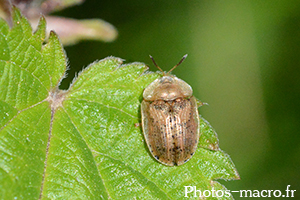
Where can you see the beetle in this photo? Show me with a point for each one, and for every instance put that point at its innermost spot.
(170, 119)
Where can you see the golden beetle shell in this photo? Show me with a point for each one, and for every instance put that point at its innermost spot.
(170, 120)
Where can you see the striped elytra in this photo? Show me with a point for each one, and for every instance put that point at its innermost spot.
(170, 119)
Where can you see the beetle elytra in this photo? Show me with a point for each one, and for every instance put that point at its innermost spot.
(170, 119)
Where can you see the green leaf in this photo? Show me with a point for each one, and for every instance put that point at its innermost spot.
(83, 143)
(4, 51)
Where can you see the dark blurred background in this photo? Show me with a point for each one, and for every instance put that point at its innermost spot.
(244, 61)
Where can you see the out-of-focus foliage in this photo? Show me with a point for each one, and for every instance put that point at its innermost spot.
(69, 30)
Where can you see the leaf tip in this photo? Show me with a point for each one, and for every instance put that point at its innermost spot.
(53, 37)
(236, 175)
(42, 21)
(41, 28)
(53, 34)
(16, 13)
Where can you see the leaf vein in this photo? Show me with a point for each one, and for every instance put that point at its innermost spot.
(134, 170)
(88, 148)
(109, 107)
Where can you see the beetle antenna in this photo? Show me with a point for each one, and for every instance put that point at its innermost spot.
(156, 64)
(182, 59)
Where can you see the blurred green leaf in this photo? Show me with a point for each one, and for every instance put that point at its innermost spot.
(83, 143)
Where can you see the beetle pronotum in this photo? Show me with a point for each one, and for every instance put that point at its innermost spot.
(170, 119)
